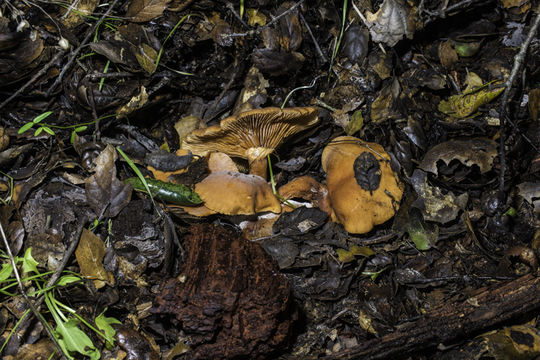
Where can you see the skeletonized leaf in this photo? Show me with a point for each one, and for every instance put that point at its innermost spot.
(461, 106)
(391, 22)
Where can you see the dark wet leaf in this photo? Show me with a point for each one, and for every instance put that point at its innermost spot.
(409, 276)
(294, 164)
(277, 63)
(282, 249)
(135, 344)
(534, 104)
(385, 106)
(146, 10)
(355, 43)
(117, 51)
(367, 171)
(221, 32)
(133, 228)
(299, 221)
(289, 27)
(103, 189)
(166, 161)
(478, 151)
(531, 193)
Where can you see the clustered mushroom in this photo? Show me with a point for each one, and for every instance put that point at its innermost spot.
(251, 135)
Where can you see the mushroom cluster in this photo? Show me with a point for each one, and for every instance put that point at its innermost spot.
(363, 189)
(251, 135)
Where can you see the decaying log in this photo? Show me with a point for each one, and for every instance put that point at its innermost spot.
(453, 321)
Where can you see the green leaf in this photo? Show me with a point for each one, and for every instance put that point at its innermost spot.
(29, 264)
(38, 131)
(68, 279)
(25, 127)
(422, 234)
(173, 193)
(104, 324)
(48, 130)
(5, 273)
(41, 117)
(72, 339)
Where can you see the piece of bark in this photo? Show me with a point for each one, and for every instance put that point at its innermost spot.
(234, 302)
(453, 321)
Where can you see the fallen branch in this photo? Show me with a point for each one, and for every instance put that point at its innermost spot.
(453, 321)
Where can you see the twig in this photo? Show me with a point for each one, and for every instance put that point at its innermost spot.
(230, 6)
(74, 54)
(33, 79)
(23, 293)
(518, 61)
(95, 76)
(260, 29)
(317, 47)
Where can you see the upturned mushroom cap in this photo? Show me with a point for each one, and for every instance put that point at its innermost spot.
(253, 134)
(306, 187)
(233, 193)
(359, 210)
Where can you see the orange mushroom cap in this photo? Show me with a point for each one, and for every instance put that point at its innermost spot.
(358, 209)
(253, 134)
(233, 193)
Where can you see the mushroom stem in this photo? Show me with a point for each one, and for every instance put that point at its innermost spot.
(258, 167)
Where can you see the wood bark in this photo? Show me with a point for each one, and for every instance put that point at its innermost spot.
(453, 321)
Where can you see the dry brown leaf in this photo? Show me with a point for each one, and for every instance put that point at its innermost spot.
(89, 254)
(384, 106)
(79, 9)
(447, 55)
(146, 10)
(147, 57)
(479, 151)
(103, 189)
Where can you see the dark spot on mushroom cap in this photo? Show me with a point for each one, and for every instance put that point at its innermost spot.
(367, 171)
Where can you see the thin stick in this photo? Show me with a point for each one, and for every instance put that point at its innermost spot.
(518, 61)
(317, 47)
(73, 55)
(260, 29)
(23, 293)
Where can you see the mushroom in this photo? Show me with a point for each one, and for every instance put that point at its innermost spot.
(306, 187)
(218, 161)
(233, 193)
(251, 135)
(362, 187)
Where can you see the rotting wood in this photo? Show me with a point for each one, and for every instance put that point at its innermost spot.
(453, 321)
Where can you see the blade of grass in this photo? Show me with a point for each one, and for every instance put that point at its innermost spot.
(169, 36)
(338, 43)
(139, 175)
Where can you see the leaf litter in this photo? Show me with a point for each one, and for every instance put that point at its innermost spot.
(446, 146)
